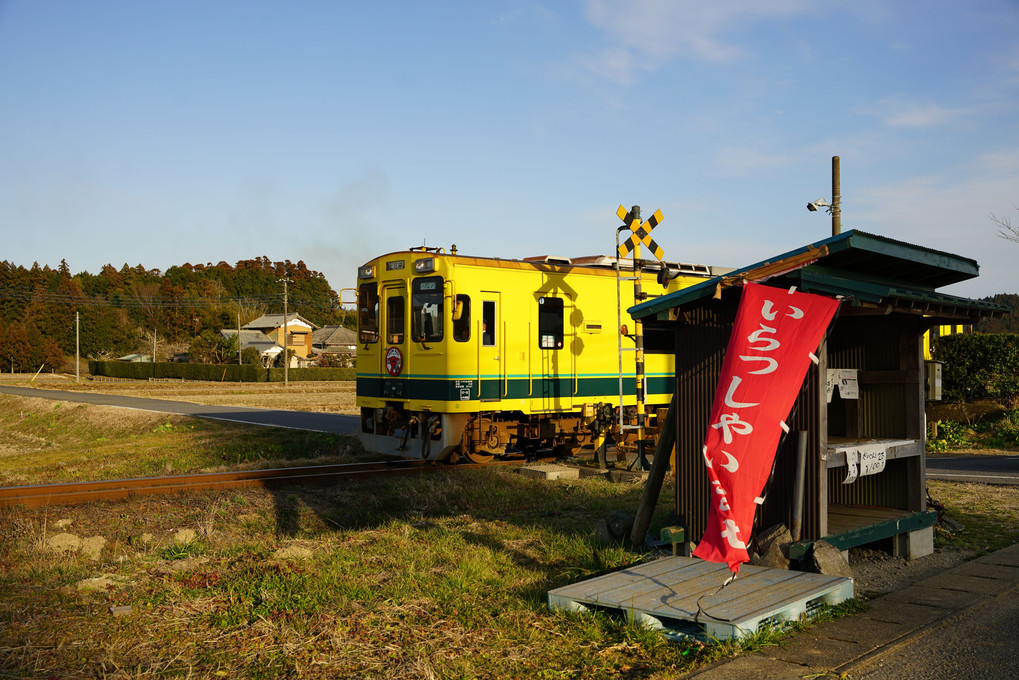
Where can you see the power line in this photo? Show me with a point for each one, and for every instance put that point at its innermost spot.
(144, 302)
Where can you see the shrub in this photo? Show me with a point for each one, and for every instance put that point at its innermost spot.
(979, 366)
(1007, 429)
(950, 434)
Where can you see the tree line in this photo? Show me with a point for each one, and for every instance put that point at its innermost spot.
(118, 310)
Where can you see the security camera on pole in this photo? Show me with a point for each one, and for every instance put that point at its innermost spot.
(835, 207)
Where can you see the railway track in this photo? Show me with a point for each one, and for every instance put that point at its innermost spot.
(106, 490)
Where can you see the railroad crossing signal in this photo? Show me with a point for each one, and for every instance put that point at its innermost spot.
(641, 233)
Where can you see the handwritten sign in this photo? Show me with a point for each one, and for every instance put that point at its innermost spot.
(863, 461)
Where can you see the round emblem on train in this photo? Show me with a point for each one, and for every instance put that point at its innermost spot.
(394, 361)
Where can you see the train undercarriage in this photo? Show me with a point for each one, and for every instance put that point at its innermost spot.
(482, 437)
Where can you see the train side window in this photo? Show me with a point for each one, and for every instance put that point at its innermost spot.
(488, 323)
(368, 313)
(550, 323)
(462, 318)
(394, 319)
(426, 304)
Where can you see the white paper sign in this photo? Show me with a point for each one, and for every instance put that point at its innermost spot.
(863, 461)
(845, 380)
(852, 466)
(872, 461)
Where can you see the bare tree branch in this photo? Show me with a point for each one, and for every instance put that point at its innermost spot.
(1006, 229)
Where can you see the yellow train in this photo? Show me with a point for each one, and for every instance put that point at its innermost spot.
(478, 357)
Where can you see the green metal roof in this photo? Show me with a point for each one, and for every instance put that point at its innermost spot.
(870, 269)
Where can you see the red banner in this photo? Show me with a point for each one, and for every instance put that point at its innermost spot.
(771, 346)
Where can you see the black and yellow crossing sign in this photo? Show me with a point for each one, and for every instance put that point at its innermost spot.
(641, 233)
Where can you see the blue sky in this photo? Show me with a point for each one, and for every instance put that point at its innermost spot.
(159, 133)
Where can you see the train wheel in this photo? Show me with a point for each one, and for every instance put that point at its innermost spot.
(486, 443)
(480, 457)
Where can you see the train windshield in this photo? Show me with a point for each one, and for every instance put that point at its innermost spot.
(426, 309)
(368, 312)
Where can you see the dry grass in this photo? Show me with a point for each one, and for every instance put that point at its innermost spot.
(326, 397)
(443, 576)
(47, 441)
(989, 514)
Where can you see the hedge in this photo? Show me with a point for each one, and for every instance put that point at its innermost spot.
(312, 374)
(213, 372)
(978, 366)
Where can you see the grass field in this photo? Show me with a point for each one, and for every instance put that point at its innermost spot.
(327, 397)
(442, 576)
(439, 576)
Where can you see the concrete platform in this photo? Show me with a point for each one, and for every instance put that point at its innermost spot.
(895, 627)
(684, 597)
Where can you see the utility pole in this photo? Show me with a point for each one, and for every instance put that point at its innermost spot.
(836, 197)
(77, 348)
(286, 361)
(239, 356)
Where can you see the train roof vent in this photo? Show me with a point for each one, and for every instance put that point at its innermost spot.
(549, 259)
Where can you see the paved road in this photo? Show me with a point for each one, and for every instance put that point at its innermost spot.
(975, 468)
(296, 420)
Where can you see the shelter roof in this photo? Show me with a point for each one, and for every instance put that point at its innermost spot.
(870, 270)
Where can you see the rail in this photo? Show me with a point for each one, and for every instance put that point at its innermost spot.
(73, 493)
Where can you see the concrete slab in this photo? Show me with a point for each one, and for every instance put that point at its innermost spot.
(751, 667)
(552, 471)
(935, 597)
(986, 570)
(897, 611)
(1007, 557)
(971, 584)
(808, 649)
(868, 633)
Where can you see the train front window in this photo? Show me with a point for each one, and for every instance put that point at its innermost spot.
(368, 312)
(462, 318)
(550, 323)
(426, 309)
(394, 319)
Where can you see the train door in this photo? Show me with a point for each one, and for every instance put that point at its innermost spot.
(553, 366)
(394, 356)
(492, 341)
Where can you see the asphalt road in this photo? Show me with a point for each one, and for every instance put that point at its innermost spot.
(295, 420)
(974, 468)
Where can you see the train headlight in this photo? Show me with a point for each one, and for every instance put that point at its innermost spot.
(424, 265)
(366, 272)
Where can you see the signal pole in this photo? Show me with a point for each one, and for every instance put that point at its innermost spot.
(638, 330)
(641, 233)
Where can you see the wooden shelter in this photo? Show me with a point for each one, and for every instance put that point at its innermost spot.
(861, 408)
